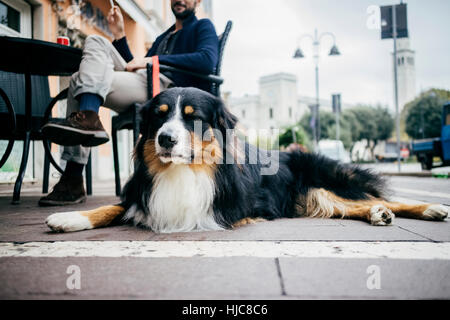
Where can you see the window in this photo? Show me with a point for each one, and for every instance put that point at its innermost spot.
(15, 18)
(243, 113)
(290, 112)
(271, 113)
(9, 17)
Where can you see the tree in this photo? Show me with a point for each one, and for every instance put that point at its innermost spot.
(287, 136)
(376, 124)
(349, 127)
(327, 119)
(423, 115)
(361, 122)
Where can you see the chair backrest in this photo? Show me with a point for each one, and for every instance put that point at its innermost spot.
(222, 42)
(14, 86)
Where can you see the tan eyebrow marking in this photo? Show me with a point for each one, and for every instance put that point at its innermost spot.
(188, 110)
(163, 108)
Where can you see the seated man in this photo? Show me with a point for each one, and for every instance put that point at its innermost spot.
(109, 76)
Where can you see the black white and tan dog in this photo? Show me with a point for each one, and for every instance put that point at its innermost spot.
(185, 180)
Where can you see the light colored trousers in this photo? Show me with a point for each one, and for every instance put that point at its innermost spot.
(102, 71)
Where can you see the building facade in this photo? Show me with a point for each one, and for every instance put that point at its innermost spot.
(277, 105)
(47, 19)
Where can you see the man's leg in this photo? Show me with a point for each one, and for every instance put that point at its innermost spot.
(70, 188)
(88, 88)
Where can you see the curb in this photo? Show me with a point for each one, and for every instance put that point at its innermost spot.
(408, 174)
(425, 174)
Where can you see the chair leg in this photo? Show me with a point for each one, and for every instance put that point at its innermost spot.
(46, 176)
(89, 176)
(22, 169)
(116, 162)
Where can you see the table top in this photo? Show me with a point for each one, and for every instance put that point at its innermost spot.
(22, 55)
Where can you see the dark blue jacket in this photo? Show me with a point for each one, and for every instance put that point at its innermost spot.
(196, 49)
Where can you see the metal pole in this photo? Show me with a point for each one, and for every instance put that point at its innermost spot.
(314, 129)
(397, 115)
(316, 58)
(336, 102)
(338, 128)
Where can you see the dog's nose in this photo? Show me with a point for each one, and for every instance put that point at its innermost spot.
(167, 140)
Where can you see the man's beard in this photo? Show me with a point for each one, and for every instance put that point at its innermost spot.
(183, 15)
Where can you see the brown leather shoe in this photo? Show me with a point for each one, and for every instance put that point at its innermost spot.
(80, 128)
(69, 190)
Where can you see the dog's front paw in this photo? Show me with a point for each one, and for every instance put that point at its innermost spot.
(68, 222)
(436, 212)
(381, 216)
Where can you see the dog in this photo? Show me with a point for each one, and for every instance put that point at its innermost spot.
(194, 174)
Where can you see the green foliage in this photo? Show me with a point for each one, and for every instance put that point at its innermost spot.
(287, 136)
(360, 122)
(425, 113)
(327, 119)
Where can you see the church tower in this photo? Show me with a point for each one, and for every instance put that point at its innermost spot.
(406, 72)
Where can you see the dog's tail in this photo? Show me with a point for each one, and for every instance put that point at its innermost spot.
(344, 180)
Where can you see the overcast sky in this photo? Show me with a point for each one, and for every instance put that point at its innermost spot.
(265, 33)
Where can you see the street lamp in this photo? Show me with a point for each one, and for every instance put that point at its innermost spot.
(334, 51)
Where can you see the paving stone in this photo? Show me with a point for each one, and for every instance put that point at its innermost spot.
(347, 278)
(434, 230)
(141, 278)
(302, 229)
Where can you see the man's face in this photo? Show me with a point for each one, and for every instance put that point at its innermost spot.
(183, 8)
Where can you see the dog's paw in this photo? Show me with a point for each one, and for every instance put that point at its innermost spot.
(247, 221)
(68, 222)
(381, 216)
(436, 212)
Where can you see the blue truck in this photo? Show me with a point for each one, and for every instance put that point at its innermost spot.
(426, 149)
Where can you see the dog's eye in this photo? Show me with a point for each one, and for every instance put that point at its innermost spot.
(163, 108)
(189, 110)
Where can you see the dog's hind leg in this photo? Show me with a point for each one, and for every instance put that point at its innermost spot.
(320, 203)
(433, 212)
(84, 220)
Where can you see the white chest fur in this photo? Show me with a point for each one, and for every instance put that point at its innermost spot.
(181, 201)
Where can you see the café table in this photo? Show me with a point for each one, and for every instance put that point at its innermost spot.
(35, 57)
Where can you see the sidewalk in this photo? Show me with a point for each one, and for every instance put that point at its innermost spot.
(283, 259)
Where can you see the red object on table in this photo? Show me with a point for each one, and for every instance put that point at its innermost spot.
(65, 41)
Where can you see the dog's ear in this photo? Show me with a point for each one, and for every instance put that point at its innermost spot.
(223, 118)
(143, 116)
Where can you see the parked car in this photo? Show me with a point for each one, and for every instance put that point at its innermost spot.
(426, 149)
(388, 152)
(334, 149)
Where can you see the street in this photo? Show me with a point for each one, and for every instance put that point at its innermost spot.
(283, 259)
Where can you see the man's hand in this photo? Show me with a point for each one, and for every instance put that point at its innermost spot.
(115, 23)
(138, 63)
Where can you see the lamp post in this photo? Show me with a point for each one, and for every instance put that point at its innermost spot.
(334, 51)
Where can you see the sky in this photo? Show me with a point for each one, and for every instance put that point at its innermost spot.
(265, 35)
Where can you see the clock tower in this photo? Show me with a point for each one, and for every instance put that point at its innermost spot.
(406, 72)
